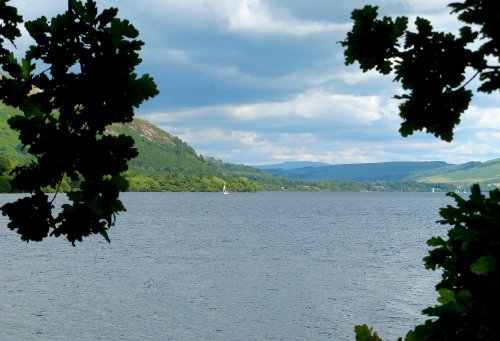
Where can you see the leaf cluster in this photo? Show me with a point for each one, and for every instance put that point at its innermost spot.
(88, 83)
(431, 66)
(470, 261)
(9, 31)
(484, 14)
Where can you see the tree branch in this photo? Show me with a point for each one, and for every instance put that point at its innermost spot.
(57, 191)
(470, 80)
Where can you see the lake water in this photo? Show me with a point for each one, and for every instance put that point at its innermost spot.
(244, 266)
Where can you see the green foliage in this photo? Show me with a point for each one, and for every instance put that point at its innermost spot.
(142, 183)
(433, 63)
(431, 66)
(483, 13)
(10, 146)
(9, 19)
(365, 333)
(471, 278)
(166, 163)
(468, 291)
(181, 183)
(373, 43)
(62, 187)
(160, 152)
(4, 185)
(89, 83)
(487, 173)
(4, 169)
(4, 165)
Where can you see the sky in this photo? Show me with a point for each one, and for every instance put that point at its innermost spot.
(264, 81)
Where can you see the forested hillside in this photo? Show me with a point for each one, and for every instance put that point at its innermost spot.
(160, 152)
(166, 163)
(10, 147)
(461, 176)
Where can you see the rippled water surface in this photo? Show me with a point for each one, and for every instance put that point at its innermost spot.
(207, 266)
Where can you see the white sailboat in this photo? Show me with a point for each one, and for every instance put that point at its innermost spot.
(224, 190)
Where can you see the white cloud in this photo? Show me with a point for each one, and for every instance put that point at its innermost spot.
(482, 118)
(460, 152)
(355, 76)
(439, 22)
(255, 17)
(245, 137)
(260, 147)
(163, 55)
(489, 136)
(346, 109)
(243, 16)
(259, 81)
(316, 104)
(425, 5)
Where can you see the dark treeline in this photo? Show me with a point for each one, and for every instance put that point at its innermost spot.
(238, 182)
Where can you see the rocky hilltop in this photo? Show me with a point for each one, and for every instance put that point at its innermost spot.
(146, 130)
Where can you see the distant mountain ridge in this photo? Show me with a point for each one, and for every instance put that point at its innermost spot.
(364, 172)
(487, 173)
(292, 165)
(161, 153)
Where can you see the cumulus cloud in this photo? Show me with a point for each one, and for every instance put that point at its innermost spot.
(316, 105)
(261, 81)
(485, 118)
(315, 125)
(255, 17)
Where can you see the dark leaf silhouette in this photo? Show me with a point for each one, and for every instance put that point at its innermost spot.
(88, 84)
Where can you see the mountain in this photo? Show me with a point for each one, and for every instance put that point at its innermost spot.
(160, 152)
(292, 165)
(462, 175)
(165, 162)
(365, 172)
(486, 173)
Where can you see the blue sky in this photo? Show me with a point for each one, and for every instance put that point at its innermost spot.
(264, 81)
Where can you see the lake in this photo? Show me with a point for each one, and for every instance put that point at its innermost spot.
(244, 266)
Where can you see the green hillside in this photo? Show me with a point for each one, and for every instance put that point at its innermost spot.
(364, 172)
(160, 152)
(461, 176)
(486, 173)
(166, 163)
(10, 148)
